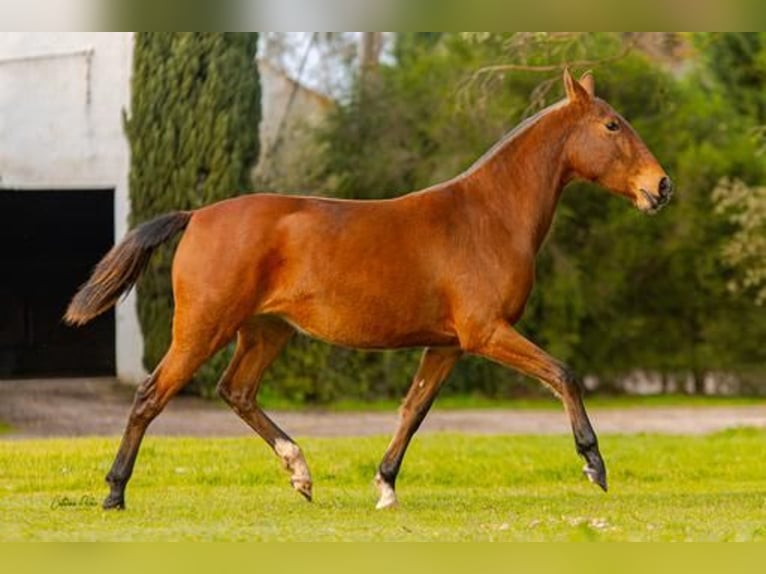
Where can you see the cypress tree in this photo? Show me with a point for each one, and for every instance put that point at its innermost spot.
(193, 136)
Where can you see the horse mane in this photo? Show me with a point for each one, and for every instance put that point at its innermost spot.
(511, 136)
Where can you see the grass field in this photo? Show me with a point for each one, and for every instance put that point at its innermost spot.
(452, 487)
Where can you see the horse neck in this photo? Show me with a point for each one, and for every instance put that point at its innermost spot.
(520, 182)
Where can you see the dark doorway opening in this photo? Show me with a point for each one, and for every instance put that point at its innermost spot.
(49, 242)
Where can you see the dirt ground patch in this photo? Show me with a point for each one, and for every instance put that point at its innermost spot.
(99, 407)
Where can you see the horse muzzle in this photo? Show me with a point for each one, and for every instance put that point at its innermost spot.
(652, 202)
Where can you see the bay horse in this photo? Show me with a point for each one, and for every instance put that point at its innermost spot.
(448, 268)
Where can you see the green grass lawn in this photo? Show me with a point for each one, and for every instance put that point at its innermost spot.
(452, 487)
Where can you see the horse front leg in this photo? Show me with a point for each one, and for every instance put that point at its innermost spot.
(435, 366)
(507, 347)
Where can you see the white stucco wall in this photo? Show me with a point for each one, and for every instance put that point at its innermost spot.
(307, 106)
(61, 102)
(290, 112)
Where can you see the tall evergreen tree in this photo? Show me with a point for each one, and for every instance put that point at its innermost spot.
(193, 135)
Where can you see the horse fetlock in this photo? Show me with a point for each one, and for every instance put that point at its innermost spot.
(293, 461)
(292, 458)
(116, 497)
(387, 498)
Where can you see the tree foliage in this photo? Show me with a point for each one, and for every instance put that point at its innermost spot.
(192, 130)
(745, 208)
(738, 63)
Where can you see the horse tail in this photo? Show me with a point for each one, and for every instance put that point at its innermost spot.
(119, 270)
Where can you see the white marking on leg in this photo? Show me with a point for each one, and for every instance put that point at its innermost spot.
(293, 460)
(387, 495)
(286, 450)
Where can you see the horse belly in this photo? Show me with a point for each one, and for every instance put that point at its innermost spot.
(362, 334)
(367, 321)
(364, 309)
(354, 275)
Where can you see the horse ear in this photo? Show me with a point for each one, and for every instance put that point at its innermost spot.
(587, 82)
(575, 92)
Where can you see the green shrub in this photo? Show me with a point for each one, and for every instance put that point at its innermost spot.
(193, 134)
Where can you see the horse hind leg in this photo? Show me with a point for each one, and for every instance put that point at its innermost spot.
(259, 342)
(174, 371)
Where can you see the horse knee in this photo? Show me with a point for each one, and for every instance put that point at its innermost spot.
(223, 391)
(570, 382)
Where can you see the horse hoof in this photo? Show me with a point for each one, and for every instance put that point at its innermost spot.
(594, 467)
(387, 494)
(303, 486)
(387, 502)
(112, 502)
(596, 475)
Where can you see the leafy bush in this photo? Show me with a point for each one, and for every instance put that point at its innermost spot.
(193, 134)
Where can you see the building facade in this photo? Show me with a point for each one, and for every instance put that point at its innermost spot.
(64, 163)
(63, 172)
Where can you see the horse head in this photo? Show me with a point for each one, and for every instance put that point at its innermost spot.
(604, 148)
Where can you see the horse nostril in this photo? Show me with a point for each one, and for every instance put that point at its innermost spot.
(666, 186)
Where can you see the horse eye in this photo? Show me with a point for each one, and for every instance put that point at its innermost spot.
(613, 125)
